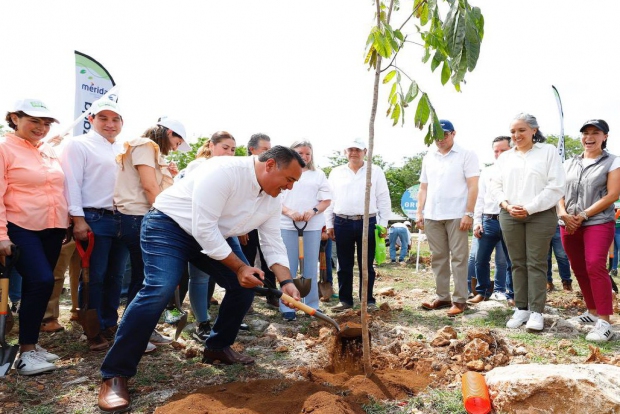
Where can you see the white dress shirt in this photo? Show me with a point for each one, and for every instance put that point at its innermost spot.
(311, 189)
(222, 198)
(446, 177)
(348, 193)
(485, 203)
(89, 163)
(534, 180)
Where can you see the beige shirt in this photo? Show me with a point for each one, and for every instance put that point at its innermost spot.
(129, 195)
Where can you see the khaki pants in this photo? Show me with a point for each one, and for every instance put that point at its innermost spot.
(69, 258)
(449, 245)
(528, 242)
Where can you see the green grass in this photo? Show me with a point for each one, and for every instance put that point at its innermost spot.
(155, 373)
(41, 409)
(496, 319)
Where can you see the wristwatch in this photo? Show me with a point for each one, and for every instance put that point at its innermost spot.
(316, 210)
(583, 215)
(469, 214)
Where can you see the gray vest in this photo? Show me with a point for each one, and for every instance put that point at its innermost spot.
(586, 185)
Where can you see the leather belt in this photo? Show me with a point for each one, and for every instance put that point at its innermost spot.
(357, 217)
(101, 211)
(491, 216)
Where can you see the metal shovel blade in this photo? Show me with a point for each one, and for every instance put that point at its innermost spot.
(8, 353)
(182, 323)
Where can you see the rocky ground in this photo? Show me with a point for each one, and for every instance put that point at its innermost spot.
(417, 359)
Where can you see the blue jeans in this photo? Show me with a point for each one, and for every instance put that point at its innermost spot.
(560, 257)
(491, 240)
(312, 241)
(614, 263)
(39, 254)
(130, 237)
(402, 234)
(328, 261)
(349, 239)
(471, 262)
(166, 249)
(107, 266)
(15, 286)
(199, 287)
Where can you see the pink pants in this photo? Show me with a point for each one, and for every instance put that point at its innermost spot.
(587, 250)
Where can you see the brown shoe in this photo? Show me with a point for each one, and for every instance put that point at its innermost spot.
(436, 304)
(109, 333)
(550, 287)
(114, 395)
(74, 316)
(98, 343)
(477, 299)
(226, 356)
(51, 325)
(456, 309)
(567, 285)
(511, 303)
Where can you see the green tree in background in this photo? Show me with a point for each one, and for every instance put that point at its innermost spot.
(184, 158)
(399, 179)
(572, 146)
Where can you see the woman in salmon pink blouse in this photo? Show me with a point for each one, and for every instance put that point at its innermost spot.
(34, 217)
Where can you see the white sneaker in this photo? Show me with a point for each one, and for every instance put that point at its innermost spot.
(601, 332)
(48, 356)
(584, 319)
(149, 348)
(498, 296)
(518, 318)
(159, 339)
(32, 362)
(536, 322)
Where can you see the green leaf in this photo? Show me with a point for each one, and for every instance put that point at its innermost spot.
(399, 35)
(422, 112)
(389, 76)
(437, 59)
(393, 97)
(412, 92)
(445, 73)
(395, 114)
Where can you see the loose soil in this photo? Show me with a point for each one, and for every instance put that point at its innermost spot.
(302, 366)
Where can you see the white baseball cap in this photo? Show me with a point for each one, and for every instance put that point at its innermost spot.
(407, 223)
(356, 143)
(34, 108)
(176, 127)
(105, 105)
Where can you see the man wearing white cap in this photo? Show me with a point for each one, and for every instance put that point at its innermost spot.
(89, 163)
(344, 218)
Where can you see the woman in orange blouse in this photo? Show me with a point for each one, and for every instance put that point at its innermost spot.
(34, 217)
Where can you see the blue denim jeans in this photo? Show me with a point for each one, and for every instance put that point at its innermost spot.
(107, 266)
(349, 240)
(15, 286)
(471, 262)
(199, 287)
(166, 250)
(39, 254)
(560, 257)
(614, 263)
(312, 241)
(491, 240)
(130, 237)
(402, 234)
(328, 260)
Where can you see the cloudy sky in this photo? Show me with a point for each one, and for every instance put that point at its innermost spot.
(294, 69)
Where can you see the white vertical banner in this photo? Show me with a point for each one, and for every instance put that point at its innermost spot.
(92, 81)
(561, 150)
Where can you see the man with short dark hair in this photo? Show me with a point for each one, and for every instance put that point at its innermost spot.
(190, 222)
(446, 200)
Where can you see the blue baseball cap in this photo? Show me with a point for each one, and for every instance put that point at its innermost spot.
(446, 125)
(597, 123)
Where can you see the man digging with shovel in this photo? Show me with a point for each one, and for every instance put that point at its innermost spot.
(189, 222)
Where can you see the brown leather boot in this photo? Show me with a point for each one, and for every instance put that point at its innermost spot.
(550, 287)
(114, 395)
(567, 285)
(456, 309)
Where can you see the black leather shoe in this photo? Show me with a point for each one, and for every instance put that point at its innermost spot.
(114, 395)
(226, 356)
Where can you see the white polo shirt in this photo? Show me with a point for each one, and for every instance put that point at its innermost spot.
(446, 177)
(485, 203)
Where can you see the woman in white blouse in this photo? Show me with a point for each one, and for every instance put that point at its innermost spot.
(529, 185)
(306, 202)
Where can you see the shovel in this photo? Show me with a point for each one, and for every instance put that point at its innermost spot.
(325, 288)
(7, 352)
(88, 317)
(182, 323)
(296, 304)
(303, 285)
